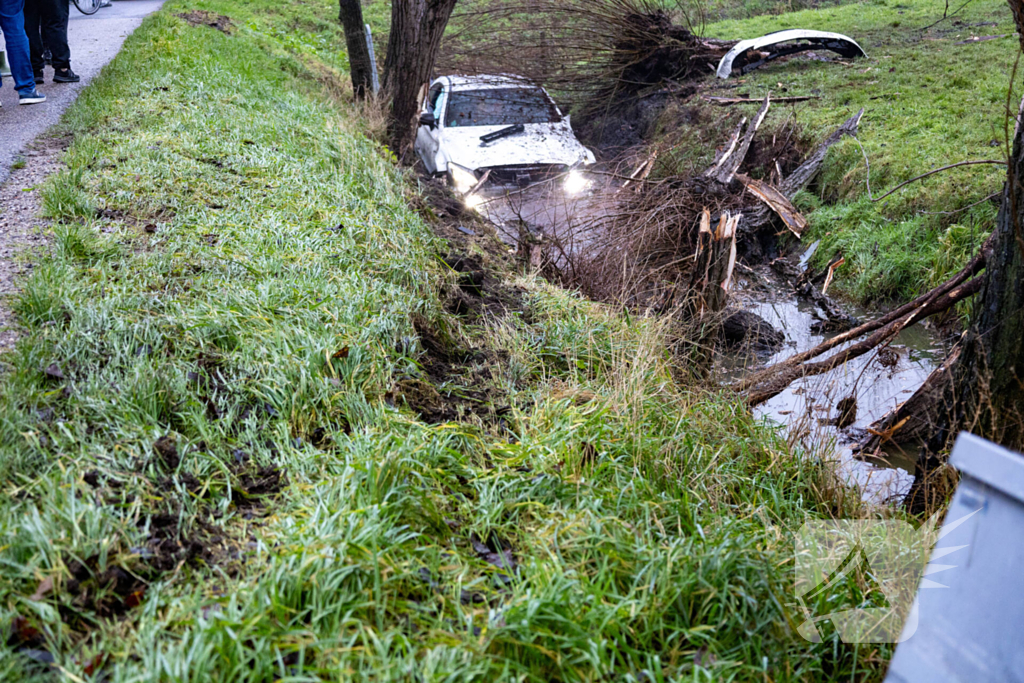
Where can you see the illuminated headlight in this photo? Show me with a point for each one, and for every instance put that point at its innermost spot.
(474, 200)
(575, 182)
(462, 178)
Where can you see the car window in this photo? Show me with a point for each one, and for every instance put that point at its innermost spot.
(434, 100)
(500, 107)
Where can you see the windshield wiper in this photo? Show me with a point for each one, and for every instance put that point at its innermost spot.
(503, 133)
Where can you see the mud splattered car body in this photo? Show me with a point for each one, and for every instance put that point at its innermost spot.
(496, 130)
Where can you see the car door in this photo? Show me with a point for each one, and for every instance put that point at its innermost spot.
(428, 139)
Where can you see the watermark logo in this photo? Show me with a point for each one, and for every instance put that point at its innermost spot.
(861, 576)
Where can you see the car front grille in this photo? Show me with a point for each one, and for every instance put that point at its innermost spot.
(523, 175)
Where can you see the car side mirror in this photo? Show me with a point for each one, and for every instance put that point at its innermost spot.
(428, 120)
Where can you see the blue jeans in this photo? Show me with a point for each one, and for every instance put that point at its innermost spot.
(12, 23)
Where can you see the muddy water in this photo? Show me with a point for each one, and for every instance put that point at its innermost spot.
(567, 222)
(807, 408)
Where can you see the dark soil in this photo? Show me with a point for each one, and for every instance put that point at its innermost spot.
(787, 148)
(745, 329)
(201, 17)
(457, 382)
(464, 377)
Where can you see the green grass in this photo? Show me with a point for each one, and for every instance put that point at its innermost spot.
(251, 292)
(928, 102)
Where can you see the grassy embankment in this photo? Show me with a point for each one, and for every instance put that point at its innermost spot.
(928, 102)
(234, 265)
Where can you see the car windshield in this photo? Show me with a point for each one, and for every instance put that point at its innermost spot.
(500, 107)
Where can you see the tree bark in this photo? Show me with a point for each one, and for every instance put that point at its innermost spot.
(350, 14)
(416, 30)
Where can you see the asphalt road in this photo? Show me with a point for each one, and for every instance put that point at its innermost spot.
(94, 40)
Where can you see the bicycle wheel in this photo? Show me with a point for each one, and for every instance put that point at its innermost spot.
(88, 6)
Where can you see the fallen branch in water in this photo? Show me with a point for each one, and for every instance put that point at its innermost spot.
(893, 322)
(913, 418)
(777, 384)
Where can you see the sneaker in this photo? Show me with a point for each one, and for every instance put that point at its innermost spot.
(65, 76)
(32, 96)
(39, 78)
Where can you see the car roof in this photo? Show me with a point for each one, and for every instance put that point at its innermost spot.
(484, 82)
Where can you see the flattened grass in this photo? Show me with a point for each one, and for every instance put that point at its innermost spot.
(249, 290)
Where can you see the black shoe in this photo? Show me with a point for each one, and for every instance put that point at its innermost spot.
(65, 76)
(32, 96)
(47, 56)
(39, 78)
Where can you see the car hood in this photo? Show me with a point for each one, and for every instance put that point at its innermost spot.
(540, 143)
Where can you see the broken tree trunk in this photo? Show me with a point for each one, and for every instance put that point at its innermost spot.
(715, 259)
(725, 167)
(775, 200)
(759, 219)
(803, 174)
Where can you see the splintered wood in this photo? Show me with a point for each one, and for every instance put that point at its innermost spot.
(715, 260)
(777, 202)
(725, 167)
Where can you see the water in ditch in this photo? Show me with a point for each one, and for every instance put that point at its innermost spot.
(807, 409)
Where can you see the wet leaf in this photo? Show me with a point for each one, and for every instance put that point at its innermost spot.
(44, 588)
(94, 664)
(24, 633)
(134, 599)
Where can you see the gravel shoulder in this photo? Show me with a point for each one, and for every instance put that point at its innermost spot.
(28, 155)
(22, 229)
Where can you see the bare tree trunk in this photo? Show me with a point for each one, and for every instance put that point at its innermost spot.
(350, 14)
(416, 30)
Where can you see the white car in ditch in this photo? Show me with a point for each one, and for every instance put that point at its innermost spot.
(498, 132)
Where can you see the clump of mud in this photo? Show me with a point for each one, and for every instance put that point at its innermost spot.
(458, 383)
(201, 17)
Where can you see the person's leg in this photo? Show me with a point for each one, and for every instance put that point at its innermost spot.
(12, 23)
(54, 15)
(35, 40)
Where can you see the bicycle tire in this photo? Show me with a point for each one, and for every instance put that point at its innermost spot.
(88, 6)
